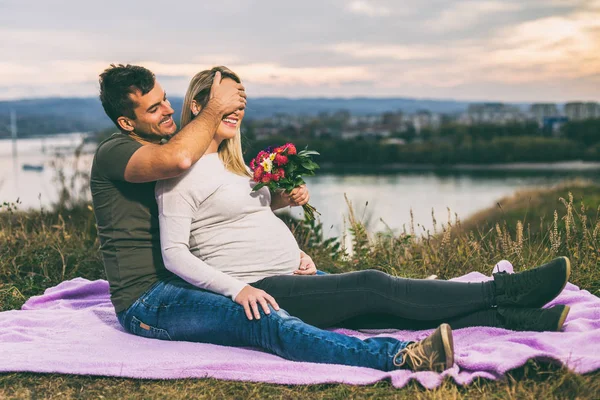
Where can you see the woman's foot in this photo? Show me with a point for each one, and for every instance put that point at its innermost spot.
(534, 319)
(532, 288)
(434, 353)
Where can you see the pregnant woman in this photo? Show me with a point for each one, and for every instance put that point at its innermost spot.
(222, 239)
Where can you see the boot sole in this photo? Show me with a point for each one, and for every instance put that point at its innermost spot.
(448, 342)
(563, 317)
(567, 276)
(568, 263)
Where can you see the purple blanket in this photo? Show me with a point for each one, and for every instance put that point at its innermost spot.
(72, 329)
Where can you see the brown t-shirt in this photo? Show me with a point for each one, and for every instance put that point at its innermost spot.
(127, 219)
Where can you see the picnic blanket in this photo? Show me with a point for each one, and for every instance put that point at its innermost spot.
(72, 329)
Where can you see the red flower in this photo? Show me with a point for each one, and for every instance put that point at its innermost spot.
(258, 173)
(291, 149)
(253, 164)
(261, 156)
(280, 159)
(266, 178)
(278, 174)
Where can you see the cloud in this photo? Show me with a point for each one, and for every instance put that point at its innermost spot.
(549, 48)
(465, 14)
(453, 48)
(391, 51)
(368, 8)
(58, 78)
(50, 72)
(271, 74)
(545, 51)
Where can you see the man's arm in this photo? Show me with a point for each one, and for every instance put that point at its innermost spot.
(153, 162)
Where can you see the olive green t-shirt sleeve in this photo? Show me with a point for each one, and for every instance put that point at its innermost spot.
(113, 156)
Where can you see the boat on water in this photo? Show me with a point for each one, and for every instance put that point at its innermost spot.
(33, 167)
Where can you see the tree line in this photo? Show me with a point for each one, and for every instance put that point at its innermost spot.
(451, 144)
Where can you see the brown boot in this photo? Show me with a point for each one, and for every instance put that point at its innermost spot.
(434, 353)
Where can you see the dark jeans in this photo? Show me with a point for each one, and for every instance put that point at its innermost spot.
(373, 299)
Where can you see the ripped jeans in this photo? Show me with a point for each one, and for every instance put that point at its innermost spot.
(176, 310)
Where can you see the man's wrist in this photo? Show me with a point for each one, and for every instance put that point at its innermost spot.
(214, 108)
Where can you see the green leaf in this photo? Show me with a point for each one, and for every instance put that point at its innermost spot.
(258, 186)
(308, 165)
(314, 164)
(308, 153)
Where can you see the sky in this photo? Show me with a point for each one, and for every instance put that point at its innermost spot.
(474, 50)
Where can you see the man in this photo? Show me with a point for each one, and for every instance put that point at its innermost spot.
(152, 302)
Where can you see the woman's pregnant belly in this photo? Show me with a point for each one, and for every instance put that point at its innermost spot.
(256, 246)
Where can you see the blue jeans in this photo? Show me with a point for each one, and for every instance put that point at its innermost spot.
(177, 310)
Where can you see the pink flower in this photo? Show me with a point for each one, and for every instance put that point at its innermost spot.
(280, 159)
(258, 173)
(278, 174)
(266, 178)
(291, 149)
(261, 156)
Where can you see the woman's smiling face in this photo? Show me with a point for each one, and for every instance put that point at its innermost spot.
(230, 124)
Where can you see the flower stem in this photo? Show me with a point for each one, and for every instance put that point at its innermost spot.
(309, 212)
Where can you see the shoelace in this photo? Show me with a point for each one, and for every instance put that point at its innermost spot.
(416, 353)
(518, 284)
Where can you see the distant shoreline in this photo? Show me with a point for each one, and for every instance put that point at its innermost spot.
(563, 166)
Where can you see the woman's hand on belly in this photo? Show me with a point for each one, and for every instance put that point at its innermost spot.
(250, 297)
(307, 265)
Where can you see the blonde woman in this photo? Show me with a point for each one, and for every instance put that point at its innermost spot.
(236, 263)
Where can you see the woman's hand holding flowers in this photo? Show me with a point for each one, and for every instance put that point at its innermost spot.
(281, 169)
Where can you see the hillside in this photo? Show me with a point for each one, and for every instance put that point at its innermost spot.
(62, 115)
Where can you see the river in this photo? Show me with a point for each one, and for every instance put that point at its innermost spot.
(381, 200)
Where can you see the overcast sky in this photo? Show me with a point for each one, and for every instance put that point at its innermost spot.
(505, 50)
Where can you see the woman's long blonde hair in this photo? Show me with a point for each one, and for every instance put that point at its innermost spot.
(230, 150)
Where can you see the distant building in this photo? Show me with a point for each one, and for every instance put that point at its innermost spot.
(350, 134)
(261, 133)
(392, 120)
(577, 111)
(554, 124)
(497, 113)
(425, 119)
(394, 141)
(368, 133)
(542, 111)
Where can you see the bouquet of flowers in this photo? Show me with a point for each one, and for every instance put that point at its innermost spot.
(281, 169)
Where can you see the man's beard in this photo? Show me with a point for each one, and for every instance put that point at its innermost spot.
(153, 138)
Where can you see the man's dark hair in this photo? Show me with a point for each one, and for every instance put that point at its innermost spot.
(116, 84)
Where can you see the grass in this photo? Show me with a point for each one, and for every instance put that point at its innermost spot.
(40, 249)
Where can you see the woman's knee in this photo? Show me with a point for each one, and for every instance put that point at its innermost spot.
(372, 277)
